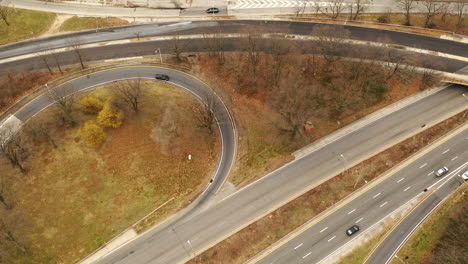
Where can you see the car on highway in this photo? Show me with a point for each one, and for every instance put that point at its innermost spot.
(212, 10)
(442, 171)
(161, 77)
(352, 230)
(465, 176)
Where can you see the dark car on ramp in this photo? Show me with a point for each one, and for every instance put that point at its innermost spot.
(161, 77)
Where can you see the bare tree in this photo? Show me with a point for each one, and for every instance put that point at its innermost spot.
(6, 234)
(205, 113)
(253, 50)
(130, 92)
(2, 194)
(76, 47)
(317, 7)
(178, 47)
(5, 12)
(336, 8)
(278, 51)
(433, 8)
(12, 148)
(215, 46)
(359, 7)
(294, 103)
(56, 58)
(330, 41)
(39, 130)
(44, 59)
(63, 97)
(407, 6)
(300, 8)
(460, 10)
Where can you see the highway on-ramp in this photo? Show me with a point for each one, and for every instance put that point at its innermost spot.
(178, 78)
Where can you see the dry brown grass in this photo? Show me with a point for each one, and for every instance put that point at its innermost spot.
(74, 198)
(269, 229)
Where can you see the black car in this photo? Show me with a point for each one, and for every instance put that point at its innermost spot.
(161, 77)
(212, 10)
(352, 230)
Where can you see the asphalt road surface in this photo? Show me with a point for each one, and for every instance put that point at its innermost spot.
(387, 250)
(230, 26)
(366, 210)
(191, 84)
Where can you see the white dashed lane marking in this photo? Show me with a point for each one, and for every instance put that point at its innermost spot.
(298, 246)
(307, 255)
(400, 180)
(331, 239)
(376, 195)
(359, 220)
(407, 189)
(429, 174)
(447, 150)
(324, 229)
(456, 157)
(350, 212)
(383, 204)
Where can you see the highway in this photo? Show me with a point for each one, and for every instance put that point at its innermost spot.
(177, 241)
(182, 240)
(387, 250)
(366, 210)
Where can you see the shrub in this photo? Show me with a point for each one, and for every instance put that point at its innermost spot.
(91, 105)
(385, 19)
(93, 133)
(110, 117)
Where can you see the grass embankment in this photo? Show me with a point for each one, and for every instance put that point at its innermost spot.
(82, 23)
(269, 229)
(24, 24)
(442, 236)
(74, 198)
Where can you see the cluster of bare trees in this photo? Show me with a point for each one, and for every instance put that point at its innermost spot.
(130, 92)
(433, 8)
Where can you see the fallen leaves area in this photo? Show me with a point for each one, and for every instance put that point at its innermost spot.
(272, 96)
(73, 198)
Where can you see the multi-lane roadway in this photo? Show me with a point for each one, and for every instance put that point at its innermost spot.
(324, 237)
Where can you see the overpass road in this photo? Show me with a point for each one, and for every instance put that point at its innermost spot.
(321, 239)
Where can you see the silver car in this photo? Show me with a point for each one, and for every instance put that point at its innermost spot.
(465, 176)
(442, 171)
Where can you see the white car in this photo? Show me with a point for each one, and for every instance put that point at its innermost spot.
(442, 171)
(465, 175)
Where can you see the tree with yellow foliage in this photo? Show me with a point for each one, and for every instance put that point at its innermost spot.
(91, 105)
(93, 133)
(110, 117)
